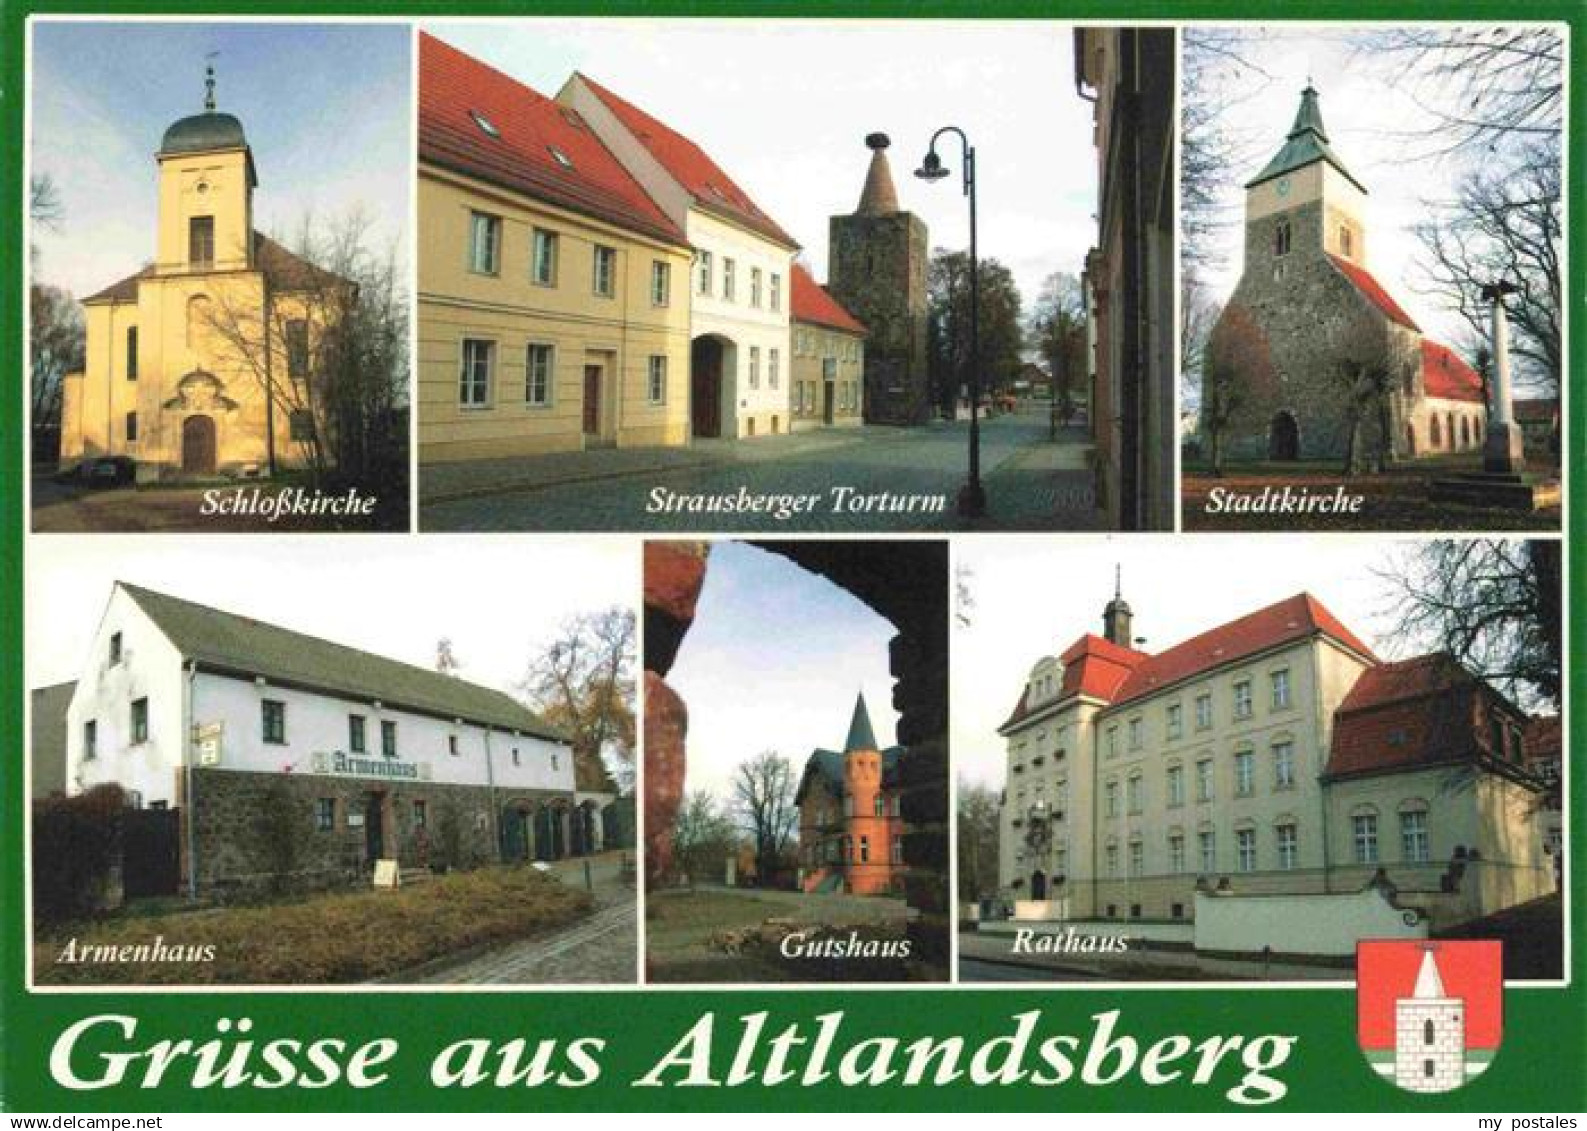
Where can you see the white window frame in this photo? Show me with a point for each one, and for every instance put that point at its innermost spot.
(656, 378)
(543, 255)
(603, 271)
(465, 376)
(490, 250)
(546, 354)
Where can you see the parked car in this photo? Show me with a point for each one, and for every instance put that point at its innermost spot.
(107, 471)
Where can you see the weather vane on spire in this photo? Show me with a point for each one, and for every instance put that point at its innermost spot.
(209, 81)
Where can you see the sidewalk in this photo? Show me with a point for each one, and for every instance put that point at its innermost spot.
(439, 483)
(1048, 484)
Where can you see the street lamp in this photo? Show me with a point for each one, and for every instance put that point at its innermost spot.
(972, 498)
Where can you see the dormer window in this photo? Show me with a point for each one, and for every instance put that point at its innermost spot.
(562, 158)
(484, 123)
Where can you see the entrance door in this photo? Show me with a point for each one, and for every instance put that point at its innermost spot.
(1038, 885)
(374, 827)
(198, 445)
(705, 387)
(1284, 438)
(592, 400)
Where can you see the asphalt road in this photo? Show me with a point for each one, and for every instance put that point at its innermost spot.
(904, 483)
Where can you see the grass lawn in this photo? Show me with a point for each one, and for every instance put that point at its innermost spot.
(1395, 500)
(683, 931)
(322, 939)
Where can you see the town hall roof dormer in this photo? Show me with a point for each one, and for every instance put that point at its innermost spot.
(1307, 142)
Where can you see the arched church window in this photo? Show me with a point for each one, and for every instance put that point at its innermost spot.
(1281, 238)
(1429, 1034)
(1346, 243)
(1435, 433)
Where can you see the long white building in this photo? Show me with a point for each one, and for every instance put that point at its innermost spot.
(296, 760)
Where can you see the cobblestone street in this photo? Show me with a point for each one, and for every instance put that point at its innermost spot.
(908, 479)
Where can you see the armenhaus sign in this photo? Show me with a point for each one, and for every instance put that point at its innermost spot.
(340, 762)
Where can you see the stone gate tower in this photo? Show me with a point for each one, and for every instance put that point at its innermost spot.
(877, 270)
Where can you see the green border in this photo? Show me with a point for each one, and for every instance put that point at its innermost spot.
(1538, 1067)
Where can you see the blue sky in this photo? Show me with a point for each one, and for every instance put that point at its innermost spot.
(356, 590)
(772, 662)
(326, 108)
(784, 107)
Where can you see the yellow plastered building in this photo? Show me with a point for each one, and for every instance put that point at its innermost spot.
(553, 293)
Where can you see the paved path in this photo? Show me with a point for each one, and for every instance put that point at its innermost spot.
(1031, 482)
(989, 958)
(600, 949)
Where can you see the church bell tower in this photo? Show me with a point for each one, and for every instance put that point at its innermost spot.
(1305, 201)
(206, 192)
(1117, 619)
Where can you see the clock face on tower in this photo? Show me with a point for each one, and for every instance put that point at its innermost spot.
(1282, 186)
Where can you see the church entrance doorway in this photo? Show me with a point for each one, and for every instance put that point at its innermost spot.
(1038, 884)
(1283, 441)
(198, 445)
(705, 386)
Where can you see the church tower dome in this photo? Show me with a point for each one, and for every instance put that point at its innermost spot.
(201, 133)
(1117, 618)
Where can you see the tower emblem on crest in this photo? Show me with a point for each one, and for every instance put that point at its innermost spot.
(1429, 1015)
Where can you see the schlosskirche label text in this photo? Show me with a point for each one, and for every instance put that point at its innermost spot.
(110, 1050)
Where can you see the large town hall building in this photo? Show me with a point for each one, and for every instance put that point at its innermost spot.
(294, 761)
(1275, 754)
(1311, 342)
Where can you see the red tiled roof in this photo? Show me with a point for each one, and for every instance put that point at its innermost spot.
(691, 167)
(812, 303)
(1405, 714)
(1292, 619)
(1404, 679)
(453, 87)
(1374, 292)
(1445, 375)
(1093, 667)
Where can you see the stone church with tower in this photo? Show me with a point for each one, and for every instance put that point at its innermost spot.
(179, 355)
(1311, 348)
(877, 258)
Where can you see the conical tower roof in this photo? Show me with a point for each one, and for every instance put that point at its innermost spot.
(861, 736)
(1306, 142)
(879, 197)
